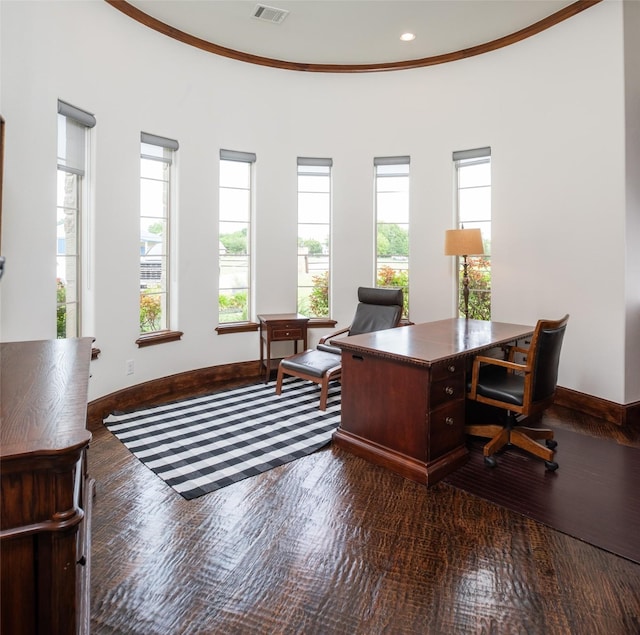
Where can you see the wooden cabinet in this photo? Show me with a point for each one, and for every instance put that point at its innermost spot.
(46, 491)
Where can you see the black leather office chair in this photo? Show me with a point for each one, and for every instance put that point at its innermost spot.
(378, 309)
(524, 390)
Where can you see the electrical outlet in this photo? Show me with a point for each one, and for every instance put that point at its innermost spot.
(129, 367)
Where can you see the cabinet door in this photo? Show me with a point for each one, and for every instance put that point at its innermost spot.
(18, 564)
(57, 565)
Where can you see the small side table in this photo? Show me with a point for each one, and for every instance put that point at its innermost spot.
(279, 327)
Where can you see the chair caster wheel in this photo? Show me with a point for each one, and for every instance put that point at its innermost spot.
(551, 444)
(490, 461)
(552, 466)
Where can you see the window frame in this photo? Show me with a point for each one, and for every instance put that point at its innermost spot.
(391, 168)
(72, 160)
(462, 159)
(167, 156)
(249, 158)
(314, 168)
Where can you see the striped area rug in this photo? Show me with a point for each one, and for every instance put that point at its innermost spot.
(201, 444)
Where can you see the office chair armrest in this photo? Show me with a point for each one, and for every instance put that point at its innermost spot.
(496, 361)
(517, 349)
(480, 359)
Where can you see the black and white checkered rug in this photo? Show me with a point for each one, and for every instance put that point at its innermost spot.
(202, 444)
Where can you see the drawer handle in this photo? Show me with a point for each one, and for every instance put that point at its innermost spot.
(449, 390)
(449, 421)
(357, 358)
(287, 333)
(451, 369)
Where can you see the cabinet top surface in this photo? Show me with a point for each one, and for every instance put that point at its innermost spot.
(44, 392)
(432, 342)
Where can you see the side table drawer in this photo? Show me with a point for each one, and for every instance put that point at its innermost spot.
(287, 334)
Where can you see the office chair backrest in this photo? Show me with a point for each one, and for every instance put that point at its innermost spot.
(378, 309)
(546, 345)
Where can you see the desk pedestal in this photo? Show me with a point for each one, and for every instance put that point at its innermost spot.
(406, 417)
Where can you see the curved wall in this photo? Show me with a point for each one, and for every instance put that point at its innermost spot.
(551, 108)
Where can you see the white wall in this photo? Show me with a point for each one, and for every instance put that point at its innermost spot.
(552, 108)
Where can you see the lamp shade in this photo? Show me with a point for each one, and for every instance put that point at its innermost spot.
(463, 242)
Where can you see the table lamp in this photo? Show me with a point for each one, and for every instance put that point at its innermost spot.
(463, 242)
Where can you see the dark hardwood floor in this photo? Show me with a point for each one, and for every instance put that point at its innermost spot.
(332, 544)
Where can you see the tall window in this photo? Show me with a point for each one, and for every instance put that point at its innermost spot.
(156, 159)
(73, 126)
(473, 187)
(392, 224)
(314, 236)
(234, 236)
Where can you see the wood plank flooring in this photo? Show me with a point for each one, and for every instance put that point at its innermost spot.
(332, 544)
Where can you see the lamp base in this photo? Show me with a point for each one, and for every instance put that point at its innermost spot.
(465, 287)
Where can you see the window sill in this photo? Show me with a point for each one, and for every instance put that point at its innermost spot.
(159, 337)
(237, 327)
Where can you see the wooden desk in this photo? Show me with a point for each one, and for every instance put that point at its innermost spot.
(280, 327)
(404, 390)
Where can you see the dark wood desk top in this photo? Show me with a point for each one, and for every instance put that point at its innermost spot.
(431, 342)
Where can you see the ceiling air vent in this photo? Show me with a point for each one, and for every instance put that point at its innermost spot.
(269, 14)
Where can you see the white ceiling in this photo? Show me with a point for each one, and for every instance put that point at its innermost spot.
(351, 31)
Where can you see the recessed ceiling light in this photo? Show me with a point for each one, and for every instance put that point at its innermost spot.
(407, 37)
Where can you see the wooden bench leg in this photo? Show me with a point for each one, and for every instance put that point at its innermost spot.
(279, 380)
(324, 391)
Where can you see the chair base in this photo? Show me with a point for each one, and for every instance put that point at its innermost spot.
(523, 437)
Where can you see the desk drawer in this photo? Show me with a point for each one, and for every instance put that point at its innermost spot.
(443, 370)
(446, 429)
(448, 389)
(284, 333)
